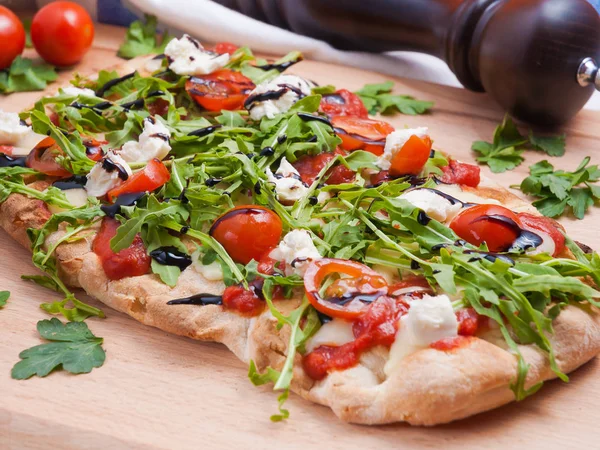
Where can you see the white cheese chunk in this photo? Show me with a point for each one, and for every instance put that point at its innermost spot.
(434, 205)
(11, 128)
(290, 88)
(394, 143)
(211, 272)
(104, 176)
(334, 333)
(289, 187)
(152, 143)
(188, 57)
(75, 91)
(76, 197)
(297, 250)
(428, 320)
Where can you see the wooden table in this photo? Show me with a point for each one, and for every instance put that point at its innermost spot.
(161, 391)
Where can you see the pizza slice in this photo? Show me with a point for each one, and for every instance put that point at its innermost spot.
(215, 197)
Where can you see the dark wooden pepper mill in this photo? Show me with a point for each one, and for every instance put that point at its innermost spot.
(536, 58)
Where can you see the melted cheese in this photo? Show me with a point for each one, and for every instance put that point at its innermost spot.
(335, 333)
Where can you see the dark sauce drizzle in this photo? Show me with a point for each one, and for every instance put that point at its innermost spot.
(11, 161)
(122, 200)
(111, 166)
(204, 131)
(171, 256)
(210, 182)
(75, 182)
(308, 117)
(112, 83)
(282, 66)
(267, 151)
(198, 299)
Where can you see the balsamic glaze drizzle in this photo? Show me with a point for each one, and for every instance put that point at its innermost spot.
(122, 200)
(112, 83)
(210, 182)
(282, 66)
(198, 299)
(204, 131)
(75, 182)
(171, 256)
(308, 117)
(11, 161)
(111, 166)
(267, 151)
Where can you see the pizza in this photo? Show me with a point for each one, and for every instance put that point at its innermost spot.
(219, 196)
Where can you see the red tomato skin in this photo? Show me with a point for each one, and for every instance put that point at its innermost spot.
(380, 177)
(159, 107)
(361, 134)
(153, 176)
(93, 148)
(461, 173)
(6, 149)
(309, 167)
(243, 301)
(43, 159)
(547, 225)
(12, 37)
(248, 232)
(350, 104)
(62, 33)
(411, 158)
(469, 321)
(475, 226)
(223, 89)
(129, 262)
(225, 47)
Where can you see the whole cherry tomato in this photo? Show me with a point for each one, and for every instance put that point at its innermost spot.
(495, 225)
(411, 158)
(12, 37)
(361, 134)
(151, 177)
(43, 158)
(223, 89)
(343, 103)
(62, 33)
(247, 232)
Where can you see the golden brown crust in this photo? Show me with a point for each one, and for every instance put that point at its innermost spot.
(428, 387)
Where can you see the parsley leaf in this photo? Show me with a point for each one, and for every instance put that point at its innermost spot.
(141, 39)
(557, 189)
(23, 75)
(72, 346)
(505, 152)
(4, 296)
(378, 98)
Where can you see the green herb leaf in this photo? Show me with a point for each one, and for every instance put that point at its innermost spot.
(4, 296)
(72, 346)
(23, 75)
(551, 145)
(141, 39)
(379, 99)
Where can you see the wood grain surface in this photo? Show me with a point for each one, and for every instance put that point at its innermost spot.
(162, 391)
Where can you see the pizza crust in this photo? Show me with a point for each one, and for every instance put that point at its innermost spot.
(428, 387)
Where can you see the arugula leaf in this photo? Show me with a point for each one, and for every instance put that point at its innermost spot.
(379, 99)
(141, 39)
(557, 189)
(72, 346)
(23, 75)
(4, 296)
(506, 150)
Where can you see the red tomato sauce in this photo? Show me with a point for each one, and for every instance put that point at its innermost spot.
(129, 262)
(461, 173)
(451, 343)
(243, 301)
(6, 149)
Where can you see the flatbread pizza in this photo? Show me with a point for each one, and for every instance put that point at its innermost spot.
(223, 198)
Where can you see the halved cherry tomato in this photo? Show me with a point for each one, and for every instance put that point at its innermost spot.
(344, 294)
(343, 103)
(546, 225)
(151, 177)
(461, 173)
(411, 158)
(495, 225)
(412, 286)
(62, 33)
(380, 177)
(225, 47)
(244, 301)
(93, 148)
(43, 158)
(309, 167)
(223, 89)
(12, 36)
(361, 134)
(6, 149)
(247, 232)
(129, 262)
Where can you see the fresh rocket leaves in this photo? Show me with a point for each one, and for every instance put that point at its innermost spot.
(506, 150)
(4, 296)
(72, 346)
(378, 98)
(24, 75)
(142, 39)
(559, 190)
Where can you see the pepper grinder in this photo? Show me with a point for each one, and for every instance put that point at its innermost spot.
(537, 58)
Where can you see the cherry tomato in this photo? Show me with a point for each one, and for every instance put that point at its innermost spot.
(343, 103)
(129, 262)
(159, 107)
(344, 293)
(151, 177)
(309, 167)
(412, 286)
(223, 89)
(461, 173)
(12, 37)
(93, 148)
(469, 321)
(43, 159)
(411, 158)
(546, 225)
(225, 47)
(247, 232)
(495, 225)
(244, 301)
(380, 177)
(361, 134)
(62, 33)
(6, 149)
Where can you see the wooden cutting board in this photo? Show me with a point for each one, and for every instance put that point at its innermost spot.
(162, 391)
